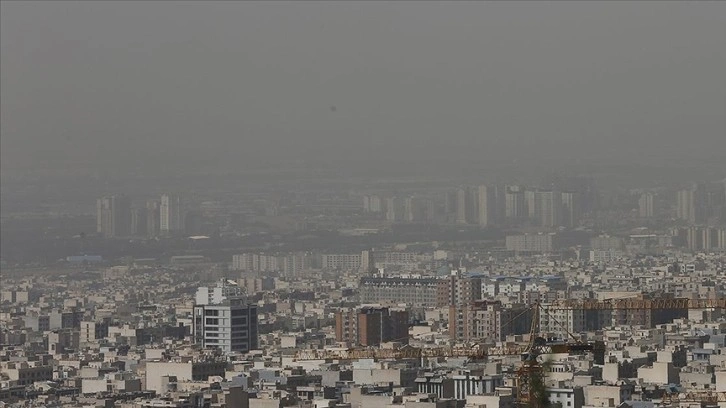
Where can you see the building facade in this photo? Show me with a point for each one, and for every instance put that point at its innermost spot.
(421, 292)
(224, 320)
(171, 214)
(113, 216)
(540, 243)
(371, 326)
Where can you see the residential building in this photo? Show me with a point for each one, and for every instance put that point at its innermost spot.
(488, 321)
(420, 292)
(341, 262)
(153, 218)
(645, 205)
(113, 216)
(548, 208)
(571, 209)
(515, 207)
(540, 243)
(172, 214)
(224, 320)
(378, 325)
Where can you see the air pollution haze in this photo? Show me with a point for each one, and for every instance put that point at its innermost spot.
(362, 204)
(179, 88)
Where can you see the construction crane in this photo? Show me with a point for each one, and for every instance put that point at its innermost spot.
(704, 397)
(530, 375)
(475, 352)
(478, 351)
(530, 381)
(633, 303)
(537, 345)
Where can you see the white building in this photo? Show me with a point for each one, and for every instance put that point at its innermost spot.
(342, 262)
(224, 320)
(566, 397)
(171, 213)
(471, 384)
(531, 243)
(605, 256)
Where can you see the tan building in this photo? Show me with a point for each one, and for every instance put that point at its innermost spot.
(371, 326)
(487, 321)
(26, 372)
(421, 292)
(186, 370)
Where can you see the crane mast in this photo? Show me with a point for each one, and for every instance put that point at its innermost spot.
(531, 391)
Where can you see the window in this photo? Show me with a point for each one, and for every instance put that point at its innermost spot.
(213, 312)
(212, 321)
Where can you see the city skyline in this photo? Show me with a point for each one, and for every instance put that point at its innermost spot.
(359, 204)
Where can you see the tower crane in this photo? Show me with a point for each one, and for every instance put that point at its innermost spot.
(704, 397)
(530, 374)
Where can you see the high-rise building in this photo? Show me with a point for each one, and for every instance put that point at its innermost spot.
(421, 292)
(571, 209)
(346, 326)
(461, 205)
(371, 326)
(463, 289)
(375, 204)
(113, 216)
(472, 205)
(429, 209)
(548, 208)
(171, 214)
(488, 321)
(138, 221)
(562, 322)
(223, 319)
(514, 203)
(540, 243)
(530, 204)
(487, 208)
(645, 205)
(341, 262)
(418, 209)
(500, 199)
(686, 207)
(450, 205)
(153, 218)
(290, 264)
(395, 209)
(705, 238)
(391, 209)
(372, 203)
(692, 205)
(294, 264)
(410, 210)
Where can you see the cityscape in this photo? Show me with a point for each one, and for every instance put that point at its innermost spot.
(363, 205)
(408, 297)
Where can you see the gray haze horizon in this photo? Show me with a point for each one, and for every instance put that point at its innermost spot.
(229, 86)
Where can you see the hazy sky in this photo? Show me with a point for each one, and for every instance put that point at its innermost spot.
(233, 83)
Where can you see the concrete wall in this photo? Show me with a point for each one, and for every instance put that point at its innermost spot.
(659, 373)
(721, 381)
(377, 376)
(157, 369)
(600, 395)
